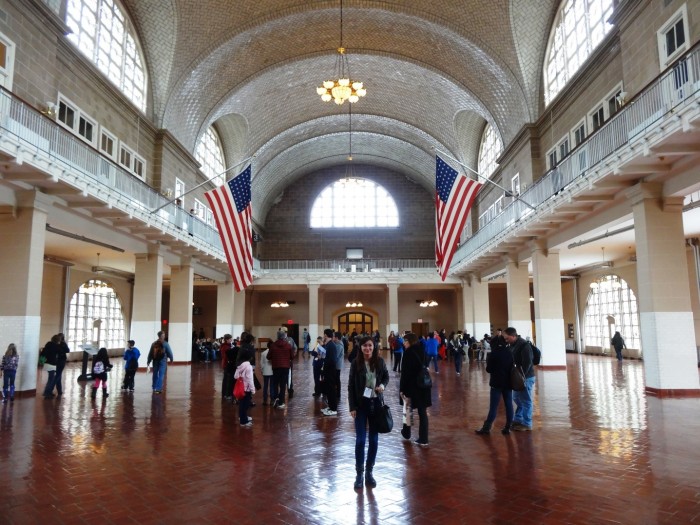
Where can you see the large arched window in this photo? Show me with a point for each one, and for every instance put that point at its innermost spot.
(611, 307)
(354, 203)
(95, 316)
(211, 157)
(490, 149)
(102, 31)
(580, 25)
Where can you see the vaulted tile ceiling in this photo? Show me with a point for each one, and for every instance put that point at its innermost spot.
(436, 71)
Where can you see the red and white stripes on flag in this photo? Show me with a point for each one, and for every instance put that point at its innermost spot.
(454, 196)
(230, 205)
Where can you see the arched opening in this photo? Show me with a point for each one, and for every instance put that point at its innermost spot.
(359, 322)
(95, 317)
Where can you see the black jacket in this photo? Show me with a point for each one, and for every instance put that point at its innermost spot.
(358, 380)
(412, 363)
(50, 352)
(522, 356)
(498, 364)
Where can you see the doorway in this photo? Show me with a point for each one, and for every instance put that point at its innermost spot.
(359, 322)
(420, 329)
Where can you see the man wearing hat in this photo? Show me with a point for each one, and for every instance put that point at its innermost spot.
(131, 365)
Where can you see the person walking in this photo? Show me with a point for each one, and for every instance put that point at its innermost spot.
(50, 354)
(398, 353)
(367, 381)
(159, 354)
(280, 355)
(131, 365)
(431, 349)
(522, 357)
(100, 367)
(266, 370)
(414, 359)
(245, 372)
(330, 374)
(499, 364)
(618, 343)
(61, 360)
(8, 369)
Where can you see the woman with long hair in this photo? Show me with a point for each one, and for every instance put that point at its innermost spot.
(367, 382)
(414, 360)
(8, 368)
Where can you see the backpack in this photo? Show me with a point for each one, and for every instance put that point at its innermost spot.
(536, 355)
(98, 367)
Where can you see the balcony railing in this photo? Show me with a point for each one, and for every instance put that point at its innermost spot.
(58, 147)
(677, 87)
(348, 265)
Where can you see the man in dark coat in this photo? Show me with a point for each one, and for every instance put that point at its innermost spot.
(522, 357)
(414, 359)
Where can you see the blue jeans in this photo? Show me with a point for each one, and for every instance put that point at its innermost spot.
(433, 359)
(159, 369)
(60, 365)
(523, 403)
(50, 383)
(268, 387)
(8, 383)
(495, 397)
(458, 362)
(361, 422)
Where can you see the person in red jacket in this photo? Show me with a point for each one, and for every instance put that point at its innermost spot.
(280, 355)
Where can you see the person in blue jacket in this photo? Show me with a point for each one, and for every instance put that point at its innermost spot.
(431, 350)
(131, 365)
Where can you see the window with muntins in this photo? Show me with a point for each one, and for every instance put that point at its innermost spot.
(95, 316)
(579, 27)
(354, 203)
(611, 307)
(490, 149)
(210, 155)
(102, 32)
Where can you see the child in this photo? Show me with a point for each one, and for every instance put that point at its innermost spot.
(319, 354)
(8, 368)
(131, 365)
(245, 372)
(266, 369)
(100, 367)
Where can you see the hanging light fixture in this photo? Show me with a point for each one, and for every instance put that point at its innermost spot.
(429, 303)
(353, 304)
(279, 304)
(344, 88)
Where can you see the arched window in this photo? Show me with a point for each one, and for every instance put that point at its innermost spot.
(611, 307)
(95, 316)
(580, 25)
(211, 157)
(354, 203)
(490, 149)
(102, 31)
(355, 322)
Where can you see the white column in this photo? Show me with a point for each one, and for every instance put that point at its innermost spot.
(482, 316)
(224, 309)
(238, 313)
(468, 307)
(670, 362)
(393, 309)
(549, 311)
(518, 290)
(21, 273)
(181, 295)
(313, 312)
(148, 299)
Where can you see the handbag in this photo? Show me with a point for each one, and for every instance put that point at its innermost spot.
(239, 389)
(517, 378)
(423, 381)
(382, 419)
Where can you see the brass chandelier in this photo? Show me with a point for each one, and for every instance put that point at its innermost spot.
(344, 88)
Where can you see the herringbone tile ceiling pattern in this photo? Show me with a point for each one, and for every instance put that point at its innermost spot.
(436, 73)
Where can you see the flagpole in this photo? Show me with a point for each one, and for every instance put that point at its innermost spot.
(508, 192)
(202, 184)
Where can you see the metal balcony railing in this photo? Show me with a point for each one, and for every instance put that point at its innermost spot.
(678, 86)
(58, 147)
(348, 265)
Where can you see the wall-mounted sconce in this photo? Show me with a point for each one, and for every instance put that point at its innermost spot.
(167, 193)
(50, 109)
(621, 98)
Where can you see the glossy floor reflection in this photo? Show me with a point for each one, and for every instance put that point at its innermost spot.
(602, 452)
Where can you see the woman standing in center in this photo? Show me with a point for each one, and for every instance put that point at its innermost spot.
(368, 379)
(414, 360)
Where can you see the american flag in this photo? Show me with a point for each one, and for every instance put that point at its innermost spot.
(454, 196)
(230, 204)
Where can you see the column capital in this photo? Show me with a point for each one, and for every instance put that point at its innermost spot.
(643, 191)
(672, 204)
(34, 199)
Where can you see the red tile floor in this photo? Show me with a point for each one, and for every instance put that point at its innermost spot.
(602, 452)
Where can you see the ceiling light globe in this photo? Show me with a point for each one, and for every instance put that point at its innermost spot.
(328, 84)
(345, 82)
(353, 98)
(321, 90)
(338, 101)
(326, 97)
(361, 92)
(356, 85)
